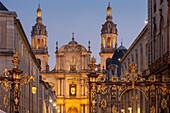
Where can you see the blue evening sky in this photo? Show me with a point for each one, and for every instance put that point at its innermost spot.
(84, 17)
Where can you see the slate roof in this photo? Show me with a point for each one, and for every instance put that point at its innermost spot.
(117, 56)
(2, 7)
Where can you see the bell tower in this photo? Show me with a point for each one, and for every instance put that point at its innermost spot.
(39, 41)
(108, 38)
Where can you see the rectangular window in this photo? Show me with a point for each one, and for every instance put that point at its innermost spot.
(22, 50)
(154, 7)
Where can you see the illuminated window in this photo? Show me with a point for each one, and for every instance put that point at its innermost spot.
(33, 43)
(108, 42)
(103, 42)
(72, 89)
(38, 44)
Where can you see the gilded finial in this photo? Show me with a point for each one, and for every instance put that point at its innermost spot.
(109, 4)
(93, 65)
(73, 36)
(15, 60)
(93, 60)
(132, 67)
(89, 46)
(56, 46)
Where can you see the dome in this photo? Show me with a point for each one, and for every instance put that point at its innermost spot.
(72, 46)
(39, 29)
(72, 41)
(117, 56)
(109, 28)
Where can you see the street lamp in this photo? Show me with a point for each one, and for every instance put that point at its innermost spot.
(34, 89)
(50, 100)
(130, 109)
(54, 104)
(123, 110)
(13, 80)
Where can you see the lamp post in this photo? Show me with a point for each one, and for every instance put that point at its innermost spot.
(13, 80)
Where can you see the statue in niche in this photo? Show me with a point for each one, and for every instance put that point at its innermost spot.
(72, 67)
(73, 60)
(73, 64)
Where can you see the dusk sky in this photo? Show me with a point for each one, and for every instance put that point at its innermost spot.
(84, 17)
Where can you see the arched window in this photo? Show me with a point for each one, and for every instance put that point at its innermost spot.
(39, 61)
(136, 52)
(141, 59)
(154, 43)
(154, 8)
(103, 42)
(132, 57)
(108, 42)
(33, 43)
(161, 36)
(108, 62)
(38, 43)
(43, 42)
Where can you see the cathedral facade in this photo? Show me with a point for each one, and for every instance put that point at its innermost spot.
(69, 76)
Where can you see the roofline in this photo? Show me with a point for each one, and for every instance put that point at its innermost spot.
(19, 25)
(135, 42)
(9, 13)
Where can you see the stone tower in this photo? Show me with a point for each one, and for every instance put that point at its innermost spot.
(39, 41)
(108, 39)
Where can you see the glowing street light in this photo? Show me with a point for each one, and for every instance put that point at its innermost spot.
(54, 104)
(50, 100)
(34, 89)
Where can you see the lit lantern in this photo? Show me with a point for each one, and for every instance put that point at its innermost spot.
(54, 104)
(34, 89)
(50, 100)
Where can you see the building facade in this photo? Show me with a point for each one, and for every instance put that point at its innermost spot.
(137, 53)
(47, 98)
(159, 56)
(158, 48)
(69, 77)
(12, 39)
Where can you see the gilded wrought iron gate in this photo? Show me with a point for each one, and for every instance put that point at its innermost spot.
(132, 93)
